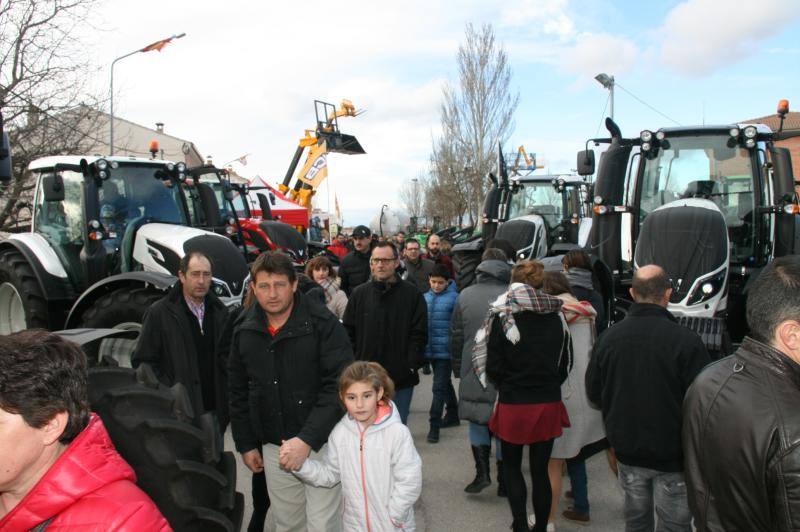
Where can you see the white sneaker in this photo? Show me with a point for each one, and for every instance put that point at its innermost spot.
(551, 527)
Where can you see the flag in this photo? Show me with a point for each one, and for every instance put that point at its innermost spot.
(338, 212)
(158, 45)
(243, 160)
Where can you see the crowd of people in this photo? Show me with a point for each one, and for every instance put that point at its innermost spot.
(315, 374)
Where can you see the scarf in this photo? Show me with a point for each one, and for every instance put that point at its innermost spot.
(329, 287)
(519, 298)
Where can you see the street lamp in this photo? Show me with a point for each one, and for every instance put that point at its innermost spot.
(608, 83)
(158, 45)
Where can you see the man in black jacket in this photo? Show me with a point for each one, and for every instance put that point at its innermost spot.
(180, 338)
(417, 269)
(741, 419)
(354, 268)
(387, 320)
(287, 353)
(638, 374)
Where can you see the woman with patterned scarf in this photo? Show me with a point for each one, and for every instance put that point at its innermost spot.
(320, 270)
(525, 350)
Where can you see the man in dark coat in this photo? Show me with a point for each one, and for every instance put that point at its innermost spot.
(638, 374)
(476, 404)
(434, 246)
(287, 353)
(417, 269)
(387, 320)
(741, 423)
(354, 268)
(180, 338)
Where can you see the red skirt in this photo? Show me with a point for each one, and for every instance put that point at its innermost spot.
(524, 424)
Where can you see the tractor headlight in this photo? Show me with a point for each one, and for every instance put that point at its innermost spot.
(646, 146)
(750, 132)
(170, 167)
(598, 200)
(750, 143)
(646, 135)
(707, 288)
(181, 167)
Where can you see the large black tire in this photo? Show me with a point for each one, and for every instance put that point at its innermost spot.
(177, 456)
(466, 258)
(20, 288)
(123, 308)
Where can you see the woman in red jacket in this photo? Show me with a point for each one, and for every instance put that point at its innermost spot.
(60, 469)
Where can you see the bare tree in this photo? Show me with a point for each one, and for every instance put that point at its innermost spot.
(476, 115)
(44, 70)
(411, 195)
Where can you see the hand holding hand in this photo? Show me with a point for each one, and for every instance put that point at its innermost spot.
(293, 453)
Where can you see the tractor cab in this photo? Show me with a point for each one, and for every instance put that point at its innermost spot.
(90, 209)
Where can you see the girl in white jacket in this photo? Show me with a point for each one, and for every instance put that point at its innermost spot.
(371, 453)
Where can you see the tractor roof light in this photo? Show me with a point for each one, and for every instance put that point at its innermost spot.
(660, 135)
(750, 143)
(646, 135)
(101, 164)
(180, 167)
(170, 167)
(783, 107)
(750, 132)
(646, 146)
(734, 132)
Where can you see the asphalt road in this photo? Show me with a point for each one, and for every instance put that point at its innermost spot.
(448, 467)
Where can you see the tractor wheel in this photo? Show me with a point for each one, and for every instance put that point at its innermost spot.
(465, 262)
(22, 302)
(178, 457)
(123, 308)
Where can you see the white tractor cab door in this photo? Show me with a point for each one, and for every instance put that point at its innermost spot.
(528, 234)
(689, 239)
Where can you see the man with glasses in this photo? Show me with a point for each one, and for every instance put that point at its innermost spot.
(180, 335)
(387, 320)
(354, 268)
(417, 269)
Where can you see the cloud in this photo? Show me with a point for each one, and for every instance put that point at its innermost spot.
(549, 16)
(599, 52)
(699, 37)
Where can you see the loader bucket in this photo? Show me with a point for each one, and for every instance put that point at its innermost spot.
(341, 143)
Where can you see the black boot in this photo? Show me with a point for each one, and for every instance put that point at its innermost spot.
(450, 418)
(520, 526)
(482, 478)
(433, 434)
(501, 480)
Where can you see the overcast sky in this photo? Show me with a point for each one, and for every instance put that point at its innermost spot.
(244, 78)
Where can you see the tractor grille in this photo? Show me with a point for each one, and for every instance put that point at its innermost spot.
(711, 331)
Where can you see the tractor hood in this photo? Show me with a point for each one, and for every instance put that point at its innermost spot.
(688, 238)
(160, 247)
(286, 238)
(528, 234)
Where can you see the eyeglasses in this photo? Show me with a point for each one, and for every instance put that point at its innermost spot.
(376, 260)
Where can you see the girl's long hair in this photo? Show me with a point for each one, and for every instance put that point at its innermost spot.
(370, 373)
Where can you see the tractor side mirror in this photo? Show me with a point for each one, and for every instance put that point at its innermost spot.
(585, 162)
(53, 188)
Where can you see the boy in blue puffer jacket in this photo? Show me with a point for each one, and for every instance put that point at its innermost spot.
(441, 300)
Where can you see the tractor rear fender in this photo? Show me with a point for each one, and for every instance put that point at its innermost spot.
(159, 281)
(49, 272)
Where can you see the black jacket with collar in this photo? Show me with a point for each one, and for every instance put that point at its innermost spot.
(741, 437)
(166, 344)
(638, 374)
(354, 270)
(388, 324)
(286, 386)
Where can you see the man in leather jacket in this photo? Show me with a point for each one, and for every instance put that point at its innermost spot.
(741, 422)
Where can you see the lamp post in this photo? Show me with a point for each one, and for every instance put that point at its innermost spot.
(608, 83)
(158, 45)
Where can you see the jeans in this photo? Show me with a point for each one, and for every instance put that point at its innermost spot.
(645, 488)
(443, 392)
(402, 398)
(580, 488)
(481, 435)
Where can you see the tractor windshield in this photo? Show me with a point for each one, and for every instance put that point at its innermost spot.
(537, 198)
(704, 166)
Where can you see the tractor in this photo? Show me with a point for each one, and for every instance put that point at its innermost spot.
(712, 205)
(106, 240)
